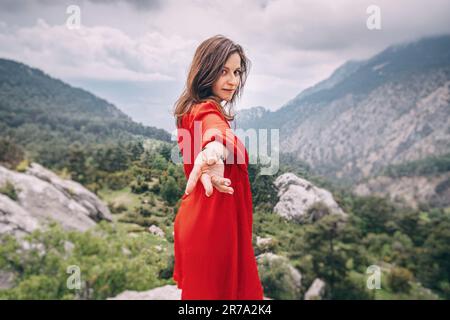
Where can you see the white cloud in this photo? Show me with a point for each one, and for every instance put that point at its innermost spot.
(94, 52)
(292, 44)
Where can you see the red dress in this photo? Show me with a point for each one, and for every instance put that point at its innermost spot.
(214, 257)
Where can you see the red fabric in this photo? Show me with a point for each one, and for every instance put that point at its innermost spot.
(214, 256)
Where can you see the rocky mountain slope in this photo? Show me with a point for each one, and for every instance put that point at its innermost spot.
(391, 108)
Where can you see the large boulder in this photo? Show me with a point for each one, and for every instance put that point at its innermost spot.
(316, 290)
(43, 197)
(6, 280)
(94, 207)
(167, 292)
(302, 201)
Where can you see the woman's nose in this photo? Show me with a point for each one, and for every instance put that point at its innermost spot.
(233, 80)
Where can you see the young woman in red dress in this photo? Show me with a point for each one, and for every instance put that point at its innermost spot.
(214, 256)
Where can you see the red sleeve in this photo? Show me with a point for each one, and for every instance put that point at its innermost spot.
(215, 127)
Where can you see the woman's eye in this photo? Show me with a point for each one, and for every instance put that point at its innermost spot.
(238, 72)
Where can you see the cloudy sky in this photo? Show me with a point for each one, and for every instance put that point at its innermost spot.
(136, 53)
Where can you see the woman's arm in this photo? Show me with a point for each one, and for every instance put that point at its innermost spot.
(214, 127)
(218, 143)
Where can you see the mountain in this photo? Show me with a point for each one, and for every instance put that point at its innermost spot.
(414, 183)
(338, 75)
(391, 108)
(251, 117)
(246, 117)
(42, 113)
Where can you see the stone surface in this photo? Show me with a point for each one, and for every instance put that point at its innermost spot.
(297, 196)
(43, 197)
(316, 290)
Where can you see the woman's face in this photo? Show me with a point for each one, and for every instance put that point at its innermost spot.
(229, 78)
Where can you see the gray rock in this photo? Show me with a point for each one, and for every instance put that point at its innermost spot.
(43, 197)
(260, 241)
(68, 248)
(14, 219)
(39, 248)
(6, 280)
(96, 209)
(126, 251)
(265, 244)
(167, 292)
(316, 290)
(156, 231)
(297, 196)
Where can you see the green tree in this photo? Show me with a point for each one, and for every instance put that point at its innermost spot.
(11, 154)
(331, 243)
(112, 158)
(159, 162)
(434, 268)
(136, 149)
(76, 162)
(399, 279)
(374, 212)
(263, 191)
(170, 190)
(165, 150)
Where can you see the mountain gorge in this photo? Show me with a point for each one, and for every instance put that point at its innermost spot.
(389, 109)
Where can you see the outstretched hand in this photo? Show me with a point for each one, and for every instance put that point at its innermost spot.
(209, 168)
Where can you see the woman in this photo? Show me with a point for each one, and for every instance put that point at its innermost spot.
(214, 257)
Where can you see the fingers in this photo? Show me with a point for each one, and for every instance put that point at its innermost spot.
(220, 180)
(195, 173)
(206, 181)
(222, 184)
(224, 189)
(205, 168)
(192, 180)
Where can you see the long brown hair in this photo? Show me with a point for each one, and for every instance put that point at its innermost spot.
(209, 59)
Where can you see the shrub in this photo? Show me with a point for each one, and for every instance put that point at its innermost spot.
(22, 166)
(9, 190)
(277, 279)
(117, 180)
(116, 208)
(139, 187)
(109, 261)
(170, 191)
(399, 279)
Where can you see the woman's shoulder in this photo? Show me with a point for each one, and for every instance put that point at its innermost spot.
(199, 110)
(207, 104)
(204, 107)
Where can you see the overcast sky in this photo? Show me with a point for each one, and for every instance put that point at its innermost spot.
(136, 53)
